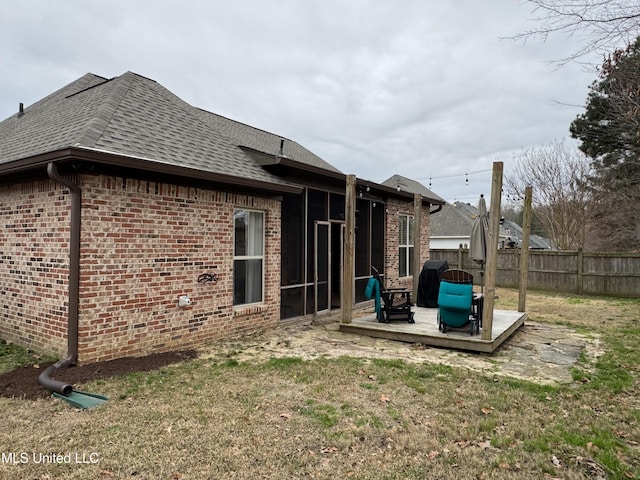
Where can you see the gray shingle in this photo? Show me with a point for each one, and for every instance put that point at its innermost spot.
(412, 186)
(450, 221)
(134, 116)
(244, 135)
(49, 124)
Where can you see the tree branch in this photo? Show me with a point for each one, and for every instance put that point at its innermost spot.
(607, 24)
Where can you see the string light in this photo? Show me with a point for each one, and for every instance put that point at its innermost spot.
(466, 174)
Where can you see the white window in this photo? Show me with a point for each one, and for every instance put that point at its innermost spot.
(406, 246)
(248, 257)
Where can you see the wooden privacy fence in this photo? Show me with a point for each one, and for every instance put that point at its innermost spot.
(609, 274)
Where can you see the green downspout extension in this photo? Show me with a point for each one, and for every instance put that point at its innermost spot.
(44, 378)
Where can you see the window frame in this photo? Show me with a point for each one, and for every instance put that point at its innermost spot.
(246, 258)
(408, 247)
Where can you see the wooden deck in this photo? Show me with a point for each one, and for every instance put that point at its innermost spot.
(425, 330)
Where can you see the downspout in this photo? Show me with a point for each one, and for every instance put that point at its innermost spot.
(436, 210)
(44, 378)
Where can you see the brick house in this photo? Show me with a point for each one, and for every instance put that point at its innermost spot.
(117, 199)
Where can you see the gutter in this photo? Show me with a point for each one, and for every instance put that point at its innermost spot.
(44, 378)
(113, 159)
(436, 210)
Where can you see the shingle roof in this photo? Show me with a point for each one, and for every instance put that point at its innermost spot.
(135, 116)
(456, 220)
(244, 135)
(450, 222)
(412, 186)
(514, 230)
(49, 124)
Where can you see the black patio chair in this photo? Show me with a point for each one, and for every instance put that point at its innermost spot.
(396, 302)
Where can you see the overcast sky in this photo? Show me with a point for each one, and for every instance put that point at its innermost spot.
(428, 89)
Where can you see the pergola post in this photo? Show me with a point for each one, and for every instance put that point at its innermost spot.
(348, 268)
(492, 251)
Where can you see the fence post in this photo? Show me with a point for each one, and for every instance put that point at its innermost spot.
(580, 278)
(524, 250)
(460, 266)
(516, 266)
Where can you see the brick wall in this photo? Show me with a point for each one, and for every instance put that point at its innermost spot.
(425, 235)
(392, 241)
(34, 260)
(143, 245)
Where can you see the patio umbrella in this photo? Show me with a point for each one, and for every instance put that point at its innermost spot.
(479, 238)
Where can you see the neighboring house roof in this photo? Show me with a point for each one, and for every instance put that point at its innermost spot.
(405, 184)
(450, 222)
(466, 209)
(456, 220)
(536, 242)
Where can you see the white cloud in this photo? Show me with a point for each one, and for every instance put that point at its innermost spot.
(420, 88)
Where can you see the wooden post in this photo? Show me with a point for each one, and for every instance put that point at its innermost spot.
(580, 266)
(492, 251)
(524, 250)
(417, 245)
(348, 267)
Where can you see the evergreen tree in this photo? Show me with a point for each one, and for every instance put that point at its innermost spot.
(609, 132)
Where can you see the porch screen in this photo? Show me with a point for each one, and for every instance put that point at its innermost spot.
(248, 257)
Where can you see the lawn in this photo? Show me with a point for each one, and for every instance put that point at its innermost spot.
(216, 417)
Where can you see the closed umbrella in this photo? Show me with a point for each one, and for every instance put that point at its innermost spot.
(479, 238)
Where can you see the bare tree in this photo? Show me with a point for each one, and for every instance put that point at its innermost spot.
(604, 25)
(560, 203)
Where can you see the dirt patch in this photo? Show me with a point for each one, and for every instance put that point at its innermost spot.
(540, 353)
(22, 382)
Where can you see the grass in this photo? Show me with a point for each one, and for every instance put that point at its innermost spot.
(12, 356)
(345, 417)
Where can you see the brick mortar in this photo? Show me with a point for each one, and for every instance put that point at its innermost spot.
(392, 242)
(34, 261)
(143, 245)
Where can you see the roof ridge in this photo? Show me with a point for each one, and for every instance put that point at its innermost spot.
(107, 108)
(245, 124)
(84, 80)
(190, 110)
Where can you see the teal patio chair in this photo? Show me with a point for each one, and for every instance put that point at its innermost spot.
(455, 299)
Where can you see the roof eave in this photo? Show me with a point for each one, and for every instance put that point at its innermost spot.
(394, 192)
(266, 160)
(23, 165)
